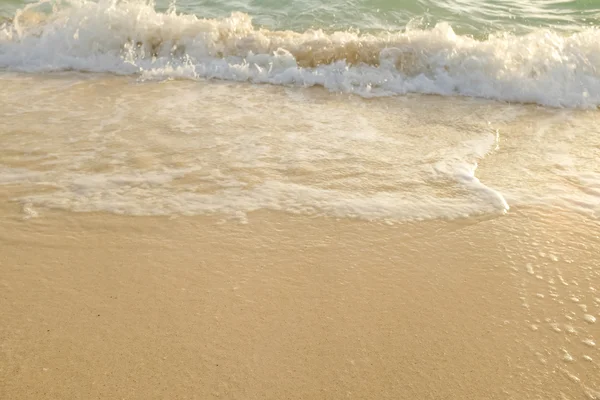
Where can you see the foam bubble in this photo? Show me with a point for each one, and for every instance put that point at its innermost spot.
(589, 342)
(589, 318)
(567, 357)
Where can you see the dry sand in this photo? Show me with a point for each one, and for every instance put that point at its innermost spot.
(98, 306)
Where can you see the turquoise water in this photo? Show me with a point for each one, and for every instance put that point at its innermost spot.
(478, 18)
(470, 17)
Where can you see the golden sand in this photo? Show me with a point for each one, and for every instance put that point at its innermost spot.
(288, 307)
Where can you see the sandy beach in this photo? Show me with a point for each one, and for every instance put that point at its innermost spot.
(289, 307)
(197, 206)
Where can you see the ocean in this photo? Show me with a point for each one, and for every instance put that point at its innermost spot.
(377, 110)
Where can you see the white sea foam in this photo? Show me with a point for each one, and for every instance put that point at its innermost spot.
(229, 148)
(156, 193)
(223, 149)
(130, 37)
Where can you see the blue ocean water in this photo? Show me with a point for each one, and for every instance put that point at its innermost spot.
(478, 17)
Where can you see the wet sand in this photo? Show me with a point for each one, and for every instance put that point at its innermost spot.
(293, 307)
(95, 305)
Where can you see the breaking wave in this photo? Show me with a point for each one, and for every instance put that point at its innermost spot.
(130, 37)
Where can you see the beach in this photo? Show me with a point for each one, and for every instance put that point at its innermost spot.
(285, 292)
(101, 306)
(298, 200)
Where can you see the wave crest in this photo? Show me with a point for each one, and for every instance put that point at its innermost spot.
(131, 37)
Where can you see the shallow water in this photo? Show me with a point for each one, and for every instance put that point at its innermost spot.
(230, 107)
(103, 143)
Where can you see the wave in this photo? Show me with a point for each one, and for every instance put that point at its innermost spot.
(131, 37)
